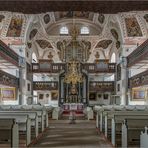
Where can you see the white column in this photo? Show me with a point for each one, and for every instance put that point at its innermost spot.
(124, 84)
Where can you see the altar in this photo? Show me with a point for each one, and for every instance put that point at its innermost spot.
(73, 107)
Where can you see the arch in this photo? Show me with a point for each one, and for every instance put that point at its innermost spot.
(113, 58)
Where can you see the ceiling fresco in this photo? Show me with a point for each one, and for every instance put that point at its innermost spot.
(73, 14)
(42, 32)
(133, 27)
(15, 27)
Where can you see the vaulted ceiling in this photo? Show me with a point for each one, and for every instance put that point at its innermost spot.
(39, 32)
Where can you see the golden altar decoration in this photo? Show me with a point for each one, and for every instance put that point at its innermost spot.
(73, 75)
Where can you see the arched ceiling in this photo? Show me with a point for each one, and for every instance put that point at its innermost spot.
(40, 32)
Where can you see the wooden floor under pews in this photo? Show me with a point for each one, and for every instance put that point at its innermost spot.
(123, 126)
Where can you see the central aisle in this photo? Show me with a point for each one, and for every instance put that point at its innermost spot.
(61, 134)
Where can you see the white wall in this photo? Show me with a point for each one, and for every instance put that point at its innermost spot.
(101, 100)
(46, 100)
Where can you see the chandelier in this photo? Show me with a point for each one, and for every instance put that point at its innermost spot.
(73, 75)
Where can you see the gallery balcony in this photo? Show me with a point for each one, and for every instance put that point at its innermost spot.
(8, 79)
(139, 80)
(139, 57)
(46, 67)
(45, 85)
(7, 56)
(100, 67)
(101, 86)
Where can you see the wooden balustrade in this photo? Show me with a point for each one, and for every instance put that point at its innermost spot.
(8, 79)
(139, 80)
(8, 54)
(138, 54)
(48, 67)
(44, 85)
(101, 86)
(100, 67)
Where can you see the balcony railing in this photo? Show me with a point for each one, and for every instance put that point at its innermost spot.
(45, 85)
(138, 54)
(101, 86)
(100, 68)
(8, 54)
(48, 68)
(8, 79)
(139, 80)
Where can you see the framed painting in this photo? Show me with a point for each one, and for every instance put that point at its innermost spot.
(92, 96)
(138, 94)
(54, 95)
(41, 96)
(8, 94)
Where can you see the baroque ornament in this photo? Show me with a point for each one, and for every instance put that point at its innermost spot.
(44, 44)
(146, 17)
(101, 18)
(32, 34)
(114, 33)
(46, 18)
(1, 17)
(104, 44)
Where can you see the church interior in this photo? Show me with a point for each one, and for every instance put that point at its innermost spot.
(74, 74)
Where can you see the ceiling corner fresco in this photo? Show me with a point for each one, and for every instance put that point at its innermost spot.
(133, 27)
(15, 27)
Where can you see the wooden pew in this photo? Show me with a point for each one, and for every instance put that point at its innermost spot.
(9, 131)
(144, 138)
(32, 115)
(131, 129)
(23, 120)
(118, 117)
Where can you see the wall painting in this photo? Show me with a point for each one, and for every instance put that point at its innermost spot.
(15, 27)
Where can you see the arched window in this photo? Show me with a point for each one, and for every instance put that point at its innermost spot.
(84, 30)
(34, 58)
(64, 30)
(113, 58)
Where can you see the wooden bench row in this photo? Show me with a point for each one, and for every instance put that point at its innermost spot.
(123, 124)
(27, 120)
